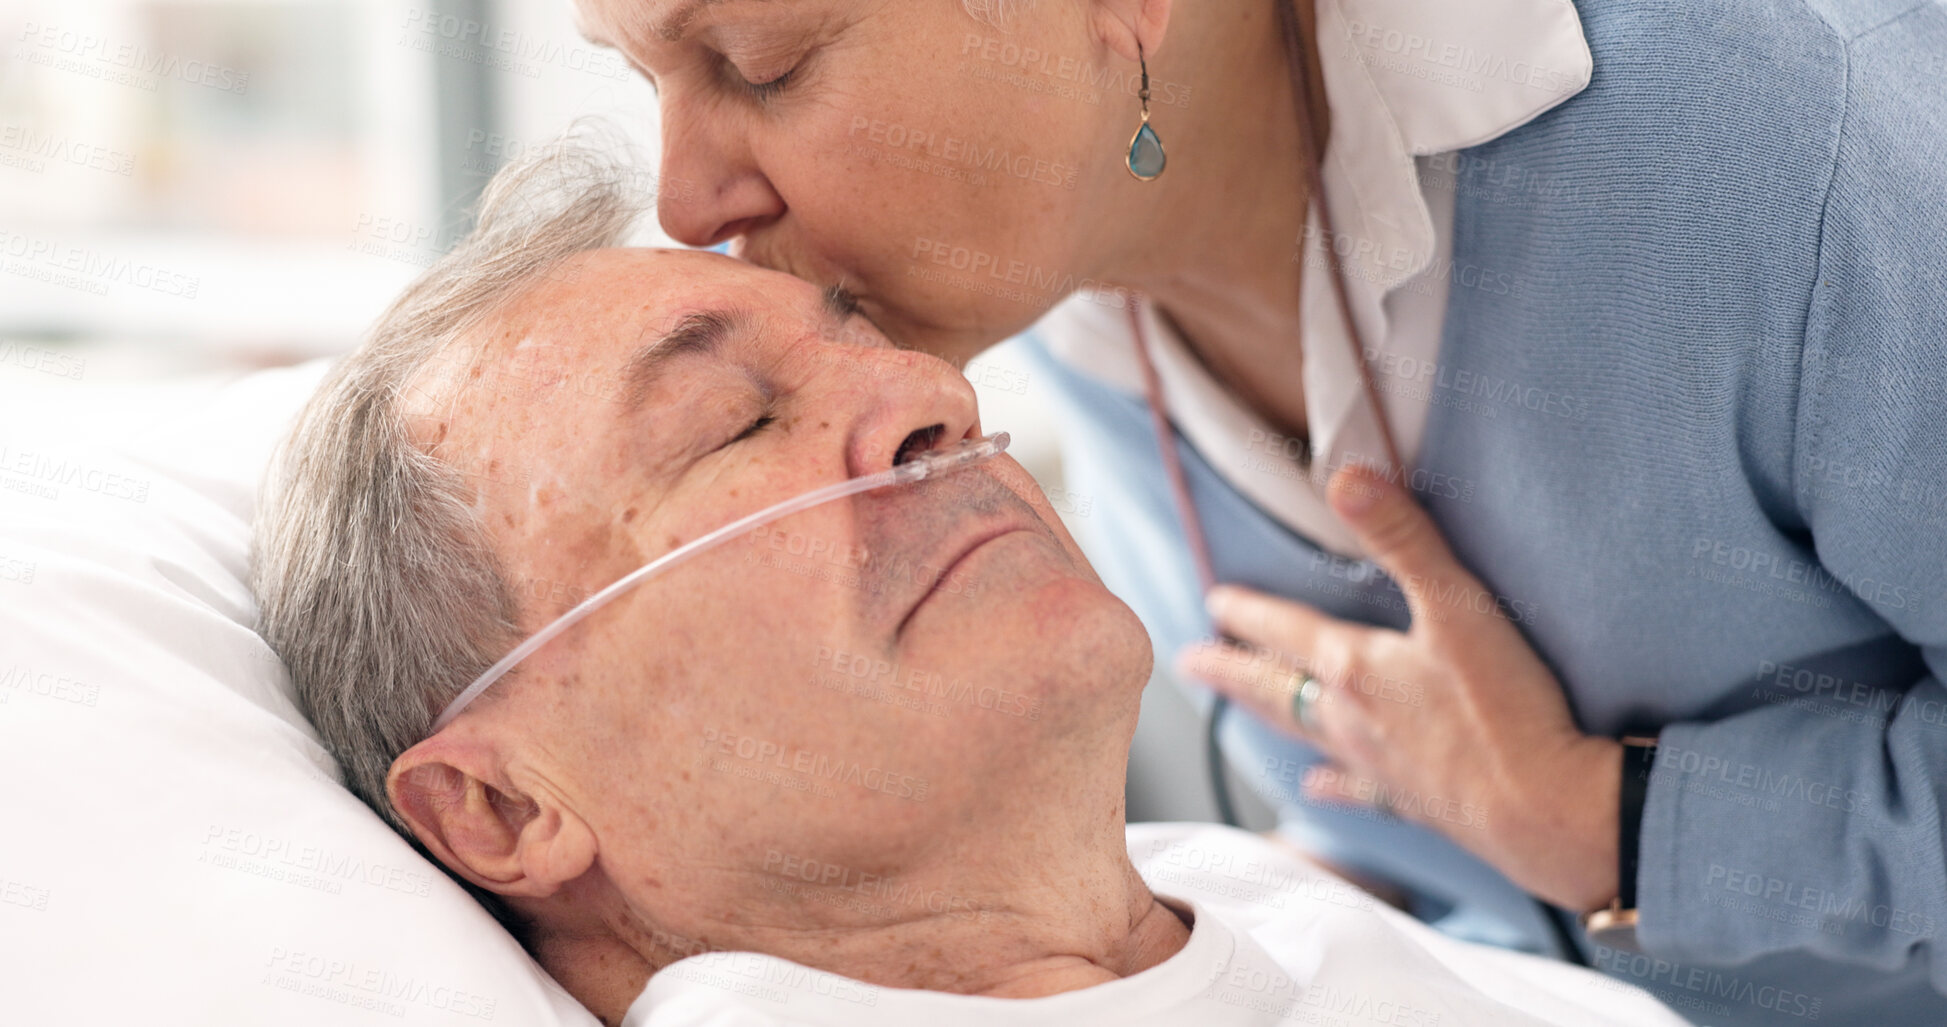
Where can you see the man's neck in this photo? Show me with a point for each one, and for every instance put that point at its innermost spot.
(1156, 935)
(1010, 924)
(1036, 941)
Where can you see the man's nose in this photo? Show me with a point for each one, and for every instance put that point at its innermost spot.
(916, 403)
(711, 188)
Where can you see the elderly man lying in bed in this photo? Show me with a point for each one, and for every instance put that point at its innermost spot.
(862, 767)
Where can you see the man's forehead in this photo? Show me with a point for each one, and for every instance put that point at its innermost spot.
(614, 282)
(580, 335)
(570, 317)
(593, 307)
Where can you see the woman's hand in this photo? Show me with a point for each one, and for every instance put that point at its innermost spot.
(1455, 724)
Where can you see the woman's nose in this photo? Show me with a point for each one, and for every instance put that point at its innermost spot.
(914, 403)
(711, 187)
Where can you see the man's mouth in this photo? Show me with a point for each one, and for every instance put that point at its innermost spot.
(953, 565)
(967, 514)
(946, 579)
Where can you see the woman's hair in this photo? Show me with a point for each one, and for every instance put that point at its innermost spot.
(376, 581)
(995, 12)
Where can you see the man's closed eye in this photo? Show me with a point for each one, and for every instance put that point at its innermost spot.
(755, 426)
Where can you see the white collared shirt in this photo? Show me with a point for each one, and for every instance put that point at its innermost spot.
(1408, 82)
(1274, 940)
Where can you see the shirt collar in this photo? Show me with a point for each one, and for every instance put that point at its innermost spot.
(1408, 78)
(1404, 79)
(750, 988)
(1455, 75)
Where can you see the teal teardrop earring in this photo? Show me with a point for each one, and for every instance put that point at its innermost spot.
(1146, 156)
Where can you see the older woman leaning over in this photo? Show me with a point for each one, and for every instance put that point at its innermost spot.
(1640, 301)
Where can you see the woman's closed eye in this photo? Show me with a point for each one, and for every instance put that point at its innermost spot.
(767, 91)
(761, 75)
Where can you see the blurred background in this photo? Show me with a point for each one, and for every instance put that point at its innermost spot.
(188, 184)
(193, 189)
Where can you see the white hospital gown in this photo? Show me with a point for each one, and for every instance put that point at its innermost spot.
(1276, 941)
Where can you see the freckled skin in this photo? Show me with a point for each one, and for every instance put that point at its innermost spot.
(860, 215)
(816, 177)
(736, 649)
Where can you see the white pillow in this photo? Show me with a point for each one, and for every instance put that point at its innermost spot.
(178, 847)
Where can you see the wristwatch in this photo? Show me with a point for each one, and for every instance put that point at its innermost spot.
(1615, 925)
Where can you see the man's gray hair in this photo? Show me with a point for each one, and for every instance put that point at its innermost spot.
(377, 583)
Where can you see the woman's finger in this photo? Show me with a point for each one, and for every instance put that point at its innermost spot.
(1254, 679)
(1404, 541)
(1257, 680)
(1329, 782)
(1267, 620)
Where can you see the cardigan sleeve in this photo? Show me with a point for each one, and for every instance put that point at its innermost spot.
(1848, 860)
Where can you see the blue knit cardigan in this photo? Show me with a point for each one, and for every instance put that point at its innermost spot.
(1689, 420)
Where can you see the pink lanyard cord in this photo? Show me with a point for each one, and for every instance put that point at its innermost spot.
(1186, 508)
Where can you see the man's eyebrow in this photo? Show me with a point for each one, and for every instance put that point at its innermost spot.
(839, 305)
(698, 332)
(673, 27)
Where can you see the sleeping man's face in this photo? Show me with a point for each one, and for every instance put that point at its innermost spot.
(860, 686)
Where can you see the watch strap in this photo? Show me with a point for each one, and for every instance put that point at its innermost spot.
(1638, 757)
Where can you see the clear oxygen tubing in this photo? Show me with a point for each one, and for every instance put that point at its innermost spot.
(927, 465)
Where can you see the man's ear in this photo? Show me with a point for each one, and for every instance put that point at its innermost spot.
(1123, 23)
(456, 796)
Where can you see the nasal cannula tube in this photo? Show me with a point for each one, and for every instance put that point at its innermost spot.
(937, 462)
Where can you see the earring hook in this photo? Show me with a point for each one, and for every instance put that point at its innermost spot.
(1146, 157)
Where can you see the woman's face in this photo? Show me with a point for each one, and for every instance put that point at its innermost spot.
(958, 164)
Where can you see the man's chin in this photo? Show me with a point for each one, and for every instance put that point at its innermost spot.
(1032, 617)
